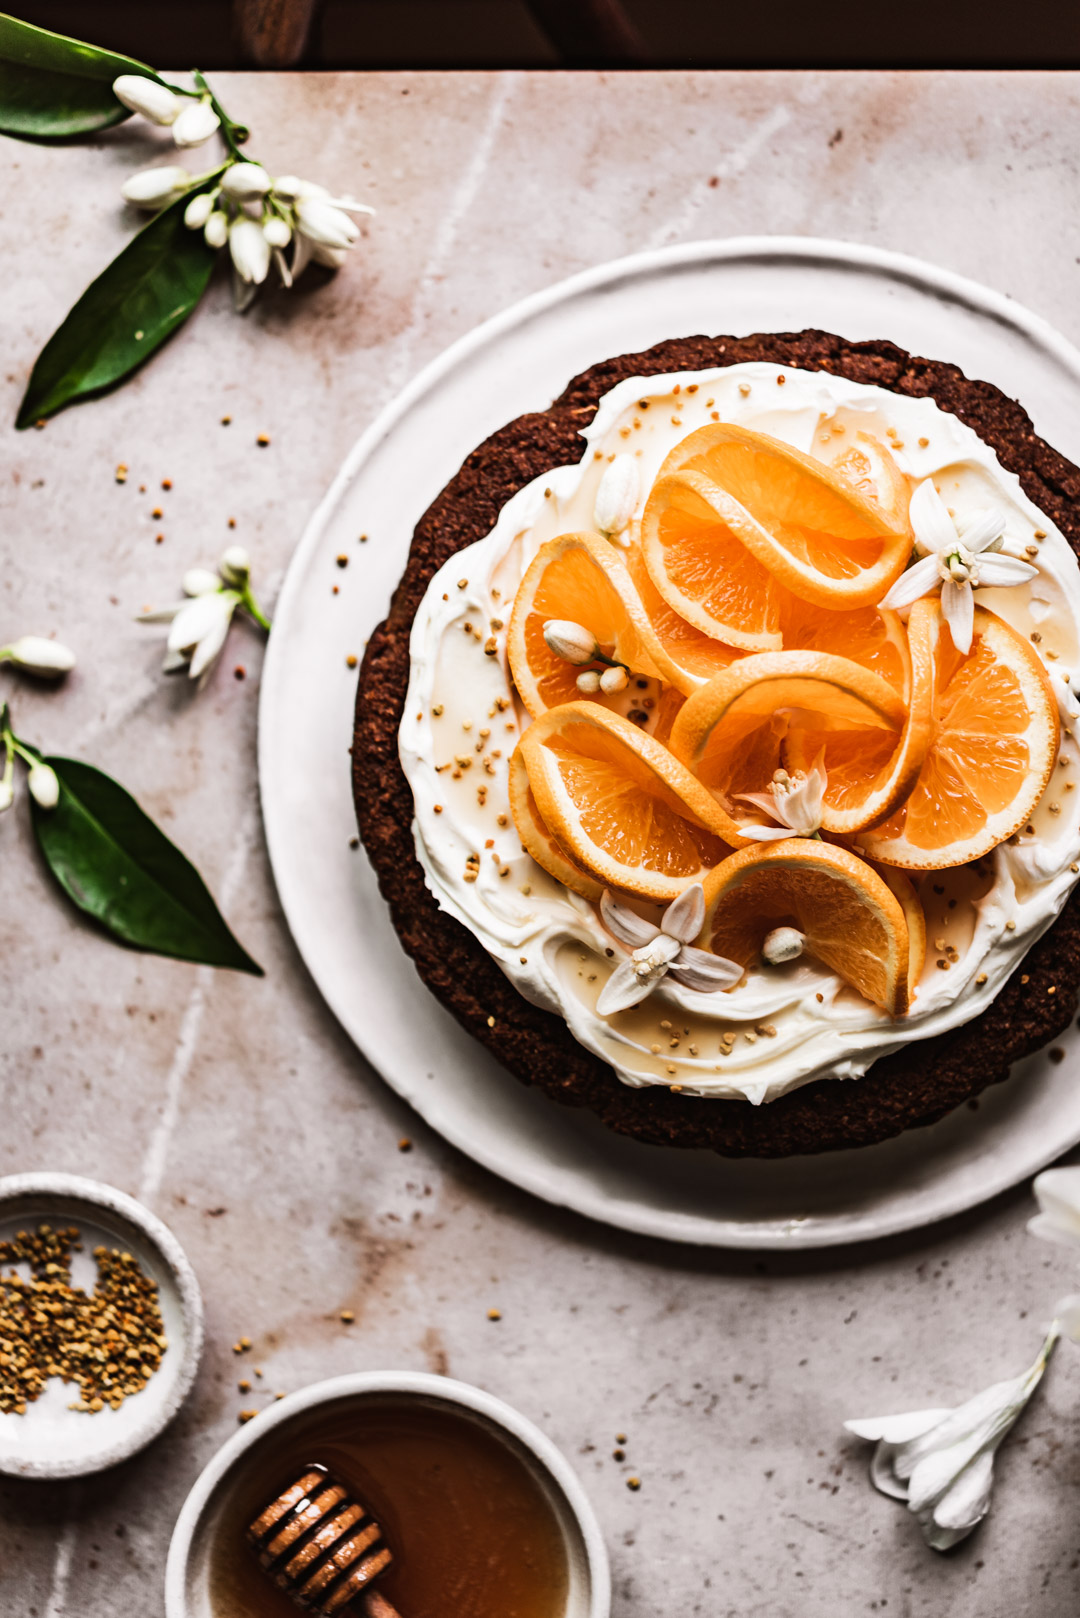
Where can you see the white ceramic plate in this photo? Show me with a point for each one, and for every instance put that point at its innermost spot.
(50, 1440)
(520, 361)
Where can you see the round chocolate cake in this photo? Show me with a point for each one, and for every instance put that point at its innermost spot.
(914, 1085)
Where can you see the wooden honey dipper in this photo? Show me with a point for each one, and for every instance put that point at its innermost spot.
(323, 1548)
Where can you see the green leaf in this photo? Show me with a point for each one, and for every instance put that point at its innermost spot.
(124, 316)
(52, 87)
(117, 866)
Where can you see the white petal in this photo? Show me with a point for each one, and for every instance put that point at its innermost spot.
(154, 101)
(898, 1429)
(967, 1502)
(623, 989)
(1005, 570)
(331, 258)
(934, 529)
(325, 224)
(35, 654)
(199, 581)
(918, 581)
(764, 834)
(1058, 1195)
(301, 254)
(196, 619)
(760, 800)
(958, 606)
(981, 529)
(153, 188)
(196, 124)
(173, 662)
(160, 615)
(1068, 1316)
(704, 972)
(617, 495)
(685, 916)
(210, 645)
(625, 924)
(244, 181)
(882, 1473)
(250, 251)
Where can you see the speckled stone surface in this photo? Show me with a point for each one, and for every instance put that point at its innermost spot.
(236, 1108)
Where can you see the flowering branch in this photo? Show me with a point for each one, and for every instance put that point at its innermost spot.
(156, 282)
(200, 625)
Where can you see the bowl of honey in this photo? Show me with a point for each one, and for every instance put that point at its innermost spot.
(388, 1495)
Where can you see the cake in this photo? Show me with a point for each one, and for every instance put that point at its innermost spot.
(754, 767)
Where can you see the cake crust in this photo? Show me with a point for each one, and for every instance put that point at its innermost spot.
(913, 1086)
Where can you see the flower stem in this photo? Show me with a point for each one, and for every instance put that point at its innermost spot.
(232, 134)
(249, 603)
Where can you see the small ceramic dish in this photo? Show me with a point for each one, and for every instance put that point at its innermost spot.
(220, 1503)
(51, 1440)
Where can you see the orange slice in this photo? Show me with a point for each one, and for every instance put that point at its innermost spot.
(904, 889)
(735, 731)
(619, 804)
(736, 518)
(852, 921)
(871, 771)
(696, 655)
(582, 578)
(537, 840)
(992, 748)
(874, 637)
(865, 462)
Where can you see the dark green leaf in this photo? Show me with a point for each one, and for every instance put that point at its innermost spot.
(134, 305)
(117, 866)
(52, 87)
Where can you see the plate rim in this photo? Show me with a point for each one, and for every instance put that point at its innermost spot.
(620, 1212)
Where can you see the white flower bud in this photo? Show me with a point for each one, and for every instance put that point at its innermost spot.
(288, 187)
(331, 258)
(199, 210)
(44, 786)
(245, 181)
(155, 188)
(7, 795)
(613, 680)
(236, 565)
(617, 495)
(155, 101)
(570, 641)
(217, 229)
(250, 251)
(324, 224)
(783, 944)
(588, 683)
(199, 581)
(36, 655)
(277, 233)
(196, 123)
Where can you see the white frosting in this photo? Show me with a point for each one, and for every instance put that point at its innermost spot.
(795, 1022)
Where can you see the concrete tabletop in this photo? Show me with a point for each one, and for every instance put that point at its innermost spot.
(236, 1108)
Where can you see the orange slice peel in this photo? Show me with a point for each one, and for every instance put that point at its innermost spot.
(848, 916)
(618, 803)
(993, 741)
(736, 732)
(580, 579)
(737, 521)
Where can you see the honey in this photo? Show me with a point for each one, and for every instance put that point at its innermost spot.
(471, 1525)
